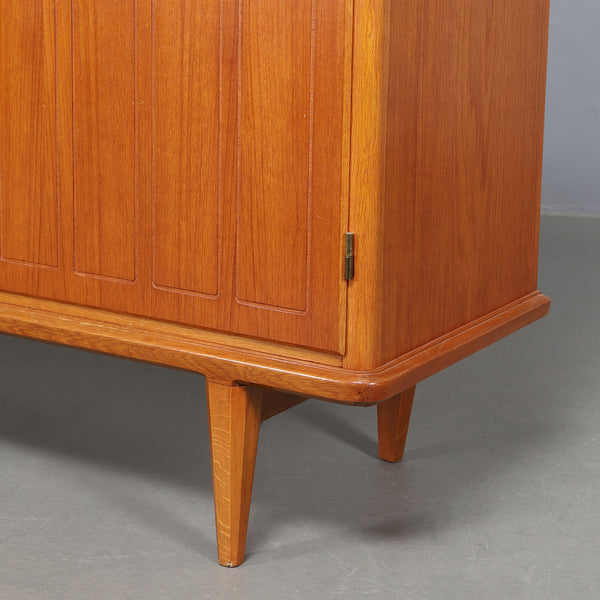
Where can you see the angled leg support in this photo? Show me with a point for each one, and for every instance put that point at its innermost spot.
(275, 402)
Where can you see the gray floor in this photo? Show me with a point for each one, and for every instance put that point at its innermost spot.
(105, 488)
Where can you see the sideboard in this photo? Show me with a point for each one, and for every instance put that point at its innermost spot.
(303, 198)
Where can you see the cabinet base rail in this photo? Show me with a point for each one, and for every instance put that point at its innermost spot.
(246, 386)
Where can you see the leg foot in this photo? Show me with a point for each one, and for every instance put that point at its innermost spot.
(234, 414)
(393, 416)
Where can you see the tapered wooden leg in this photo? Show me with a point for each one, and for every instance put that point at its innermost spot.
(393, 416)
(234, 414)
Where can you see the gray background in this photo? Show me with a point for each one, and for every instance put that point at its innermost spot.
(572, 147)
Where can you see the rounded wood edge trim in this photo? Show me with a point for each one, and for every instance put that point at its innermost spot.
(411, 368)
(149, 341)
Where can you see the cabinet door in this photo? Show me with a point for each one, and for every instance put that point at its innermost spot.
(179, 159)
(69, 172)
(247, 204)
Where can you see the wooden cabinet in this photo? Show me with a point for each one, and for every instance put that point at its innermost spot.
(177, 180)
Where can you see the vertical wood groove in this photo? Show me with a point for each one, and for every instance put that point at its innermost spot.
(187, 169)
(252, 288)
(29, 168)
(104, 140)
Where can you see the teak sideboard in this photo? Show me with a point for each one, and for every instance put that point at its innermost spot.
(324, 198)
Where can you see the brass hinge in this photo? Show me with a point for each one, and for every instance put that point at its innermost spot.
(349, 257)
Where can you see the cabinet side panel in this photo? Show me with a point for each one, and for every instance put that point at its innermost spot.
(463, 171)
(28, 133)
(187, 145)
(104, 136)
(275, 155)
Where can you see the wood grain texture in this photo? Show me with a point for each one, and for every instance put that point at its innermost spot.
(185, 246)
(367, 163)
(29, 229)
(198, 163)
(186, 348)
(276, 152)
(393, 418)
(292, 98)
(457, 184)
(187, 145)
(234, 419)
(149, 168)
(274, 402)
(463, 176)
(104, 137)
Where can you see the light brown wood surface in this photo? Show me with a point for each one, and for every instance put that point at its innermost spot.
(176, 179)
(369, 85)
(269, 365)
(393, 419)
(179, 160)
(29, 192)
(104, 139)
(446, 167)
(234, 413)
(274, 402)
(197, 198)
(191, 96)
